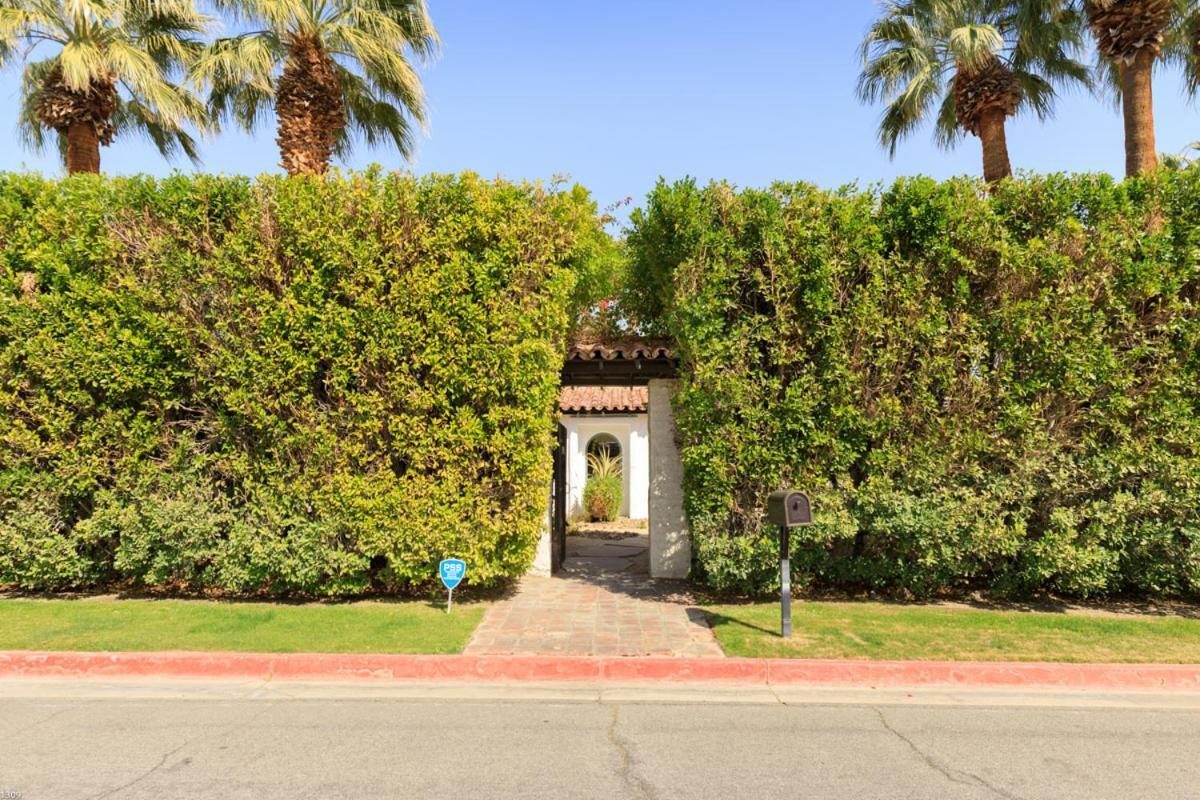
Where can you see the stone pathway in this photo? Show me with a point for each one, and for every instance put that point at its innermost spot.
(602, 603)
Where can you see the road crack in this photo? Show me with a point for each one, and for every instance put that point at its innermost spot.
(144, 775)
(225, 730)
(626, 771)
(961, 777)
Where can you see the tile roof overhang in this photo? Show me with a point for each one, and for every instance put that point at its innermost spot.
(629, 361)
(603, 399)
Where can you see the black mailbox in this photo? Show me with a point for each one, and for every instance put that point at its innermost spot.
(788, 509)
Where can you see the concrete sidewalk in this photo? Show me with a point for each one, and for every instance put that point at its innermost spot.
(613, 615)
(602, 603)
(716, 692)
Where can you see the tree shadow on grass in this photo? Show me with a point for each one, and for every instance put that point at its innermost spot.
(716, 620)
(1120, 607)
(432, 598)
(1114, 607)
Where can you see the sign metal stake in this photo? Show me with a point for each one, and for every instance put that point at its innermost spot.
(451, 571)
(785, 583)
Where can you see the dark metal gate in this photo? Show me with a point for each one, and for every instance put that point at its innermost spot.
(558, 495)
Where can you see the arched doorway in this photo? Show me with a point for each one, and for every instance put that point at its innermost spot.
(600, 448)
(625, 369)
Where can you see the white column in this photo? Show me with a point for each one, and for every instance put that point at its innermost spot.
(639, 469)
(670, 541)
(576, 467)
(541, 557)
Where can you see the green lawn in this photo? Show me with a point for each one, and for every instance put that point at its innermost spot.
(887, 631)
(365, 627)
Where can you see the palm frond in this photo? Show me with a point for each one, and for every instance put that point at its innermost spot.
(1181, 47)
(908, 109)
(131, 51)
(389, 72)
(946, 132)
(915, 48)
(82, 62)
(371, 120)
(370, 43)
(1037, 93)
(247, 59)
(134, 116)
(973, 46)
(29, 128)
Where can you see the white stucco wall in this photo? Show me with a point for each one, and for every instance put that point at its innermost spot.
(542, 562)
(652, 478)
(633, 434)
(670, 541)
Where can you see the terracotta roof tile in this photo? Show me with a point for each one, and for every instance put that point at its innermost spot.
(620, 349)
(602, 399)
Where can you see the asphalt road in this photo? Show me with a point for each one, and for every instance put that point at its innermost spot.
(65, 741)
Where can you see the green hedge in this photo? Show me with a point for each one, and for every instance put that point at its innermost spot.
(288, 385)
(981, 392)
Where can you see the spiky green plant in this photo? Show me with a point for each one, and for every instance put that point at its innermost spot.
(602, 491)
(115, 67)
(333, 70)
(604, 464)
(969, 65)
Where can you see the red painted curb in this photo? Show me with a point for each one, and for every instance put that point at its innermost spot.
(744, 671)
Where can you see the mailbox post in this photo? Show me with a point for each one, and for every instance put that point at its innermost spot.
(787, 509)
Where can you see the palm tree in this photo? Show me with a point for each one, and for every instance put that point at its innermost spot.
(1130, 35)
(113, 72)
(1182, 44)
(978, 62)
(331, 68)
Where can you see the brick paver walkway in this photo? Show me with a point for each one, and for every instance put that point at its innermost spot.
(601, 604)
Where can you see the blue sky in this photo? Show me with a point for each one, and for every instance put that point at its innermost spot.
(617, 93)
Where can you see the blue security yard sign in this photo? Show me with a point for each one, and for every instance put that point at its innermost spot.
(451, 571)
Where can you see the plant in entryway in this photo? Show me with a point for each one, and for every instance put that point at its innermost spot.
(602, 498)
(602, 492)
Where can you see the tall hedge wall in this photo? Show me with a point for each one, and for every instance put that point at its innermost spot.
(288, 385)
(997, 392)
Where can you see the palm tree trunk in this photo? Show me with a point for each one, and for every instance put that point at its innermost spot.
(310, 109)
(83, 148)
(1137, 103)
(996, 166)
